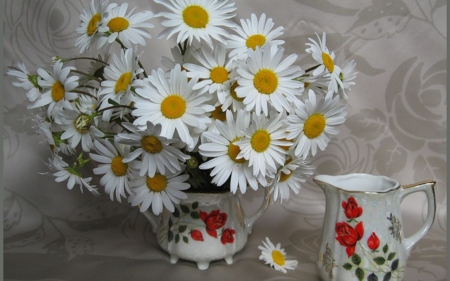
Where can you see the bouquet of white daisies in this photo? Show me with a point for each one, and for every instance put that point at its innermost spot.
(229, 110)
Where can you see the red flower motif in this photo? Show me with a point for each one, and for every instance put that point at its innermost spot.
(227, 236)
(214, 220)
(373, 242)
(351, 208)
(348, 236)
(197, 235)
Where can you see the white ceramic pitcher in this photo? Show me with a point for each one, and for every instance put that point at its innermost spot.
(205, 227)
(362, 235)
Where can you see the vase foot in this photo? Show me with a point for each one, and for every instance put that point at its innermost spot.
(229, 259)
(202, 265)
(174, 259)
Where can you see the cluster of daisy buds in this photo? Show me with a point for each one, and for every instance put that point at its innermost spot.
(229, 109)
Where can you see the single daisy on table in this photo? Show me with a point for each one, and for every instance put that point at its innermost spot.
(172, 103)
(57, 87)
(275, 256)
(314, 122)
(127, 28)
(253, 33)
(199, 19)
(27, 81)
(213, 68)
(90, 21)
(157, 153)
(121, 76)
(159, 192)
(116, 174)
(222, 152)
(262, 144)
(325, 58)
(267, 81)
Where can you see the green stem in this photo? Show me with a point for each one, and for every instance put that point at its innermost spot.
(114, 106)
(84, 93)
(87, 75)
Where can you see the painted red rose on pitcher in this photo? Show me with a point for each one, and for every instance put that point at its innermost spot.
(348, 236)
(373, 242)
(351, 208)
(197, 235)
(227, 236)
(214, 220)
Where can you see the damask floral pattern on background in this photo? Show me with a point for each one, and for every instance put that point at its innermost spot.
(396, 126)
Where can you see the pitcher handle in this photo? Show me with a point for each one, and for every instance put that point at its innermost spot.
(265, 204)
(428, 188)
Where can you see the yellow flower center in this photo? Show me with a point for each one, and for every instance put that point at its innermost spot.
(260, 140)
(265, 81)
(255, 41)
(218, 114)
(173, 107)
(82, 123)
(328, 62)
(233, 152)
(195, 16)
(157, 183)
(219, 74)
(93, 24)
(151, 144)
(278, 257)
(314, 125)
(58, 91)
(118, 167)
(123, 82)
(306, 85)
(118, 24)
(233, 92)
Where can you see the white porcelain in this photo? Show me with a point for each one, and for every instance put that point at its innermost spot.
(362, 235)
(205, 227)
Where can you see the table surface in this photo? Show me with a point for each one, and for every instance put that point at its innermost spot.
(396, 126)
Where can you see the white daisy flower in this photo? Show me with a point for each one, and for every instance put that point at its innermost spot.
(57, 87)
(63, 172)
(90, 21)
(159, 191)
(121, 75)
(213, 69)
(156, 151)
(228, 97)
(222, 152)
(290, 176)
(127, 28)
(171, 102)
(325, 59)
(275, 256)
(261, 144)
(266, 80)
(199, 19)
(27, 81)
(116, 173)
(178, 57)
(251, 34)
(348, 74)
(314, 123)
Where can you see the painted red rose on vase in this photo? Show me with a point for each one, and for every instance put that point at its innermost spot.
(214, 220)
(348, 236)
(227, 236)
(197, 235)
(351, 208)
(373, 242)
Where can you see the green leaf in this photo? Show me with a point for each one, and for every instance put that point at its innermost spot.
(195, 215)
(356, 259)
(379, 260)
(170, 236)
(372, 277)
(347, 266)
(184, 208)
(359, 273)
(195, 205)
(387, 277)
(394, 265)
(391, 256)
(185, 239)
(177, 238)
(182, 228)
(385, 248)
(170, 223)
(176, 213)
(113, 102)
